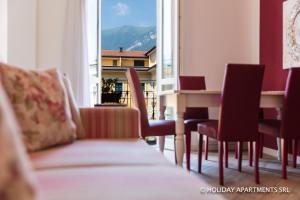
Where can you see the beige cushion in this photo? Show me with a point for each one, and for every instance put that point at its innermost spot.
(16, 180)
(122, 183)
(98, 153)
(74, 108)
(41, 105)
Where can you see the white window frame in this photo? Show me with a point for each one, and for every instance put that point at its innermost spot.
(175, 45)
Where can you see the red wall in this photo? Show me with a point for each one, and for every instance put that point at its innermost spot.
(271, 52)
(271, 44)
(271, 25)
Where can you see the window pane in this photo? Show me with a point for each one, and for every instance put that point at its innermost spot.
(92, 26)
(143, 86)
(92, 31)
(167, 36)
(118, 87)
(139, 63)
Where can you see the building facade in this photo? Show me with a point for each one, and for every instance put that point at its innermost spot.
(114, 66)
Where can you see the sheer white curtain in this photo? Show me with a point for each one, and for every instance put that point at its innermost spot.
(75, 50)
(3, 30)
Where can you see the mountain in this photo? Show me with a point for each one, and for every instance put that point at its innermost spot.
(136, 38)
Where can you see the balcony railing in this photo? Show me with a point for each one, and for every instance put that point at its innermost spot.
(150, 99)
(126, 98)
(149, 93)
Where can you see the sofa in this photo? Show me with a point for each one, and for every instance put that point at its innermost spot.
(104, 166)
(53, 150)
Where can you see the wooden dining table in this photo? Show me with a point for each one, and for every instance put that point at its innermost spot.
(179, 100)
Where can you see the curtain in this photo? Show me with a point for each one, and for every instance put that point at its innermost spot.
(75, 50)
(3, 30)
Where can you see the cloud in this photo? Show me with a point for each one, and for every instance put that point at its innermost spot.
(121, 9)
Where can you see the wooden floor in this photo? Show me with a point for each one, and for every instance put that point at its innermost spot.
(270, 176)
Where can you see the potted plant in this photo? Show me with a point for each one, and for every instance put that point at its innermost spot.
(109, 95)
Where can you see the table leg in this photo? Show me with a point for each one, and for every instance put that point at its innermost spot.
(179, 110)
(179, 138)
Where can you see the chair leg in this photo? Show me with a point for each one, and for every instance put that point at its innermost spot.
(250, 153)
(295, 145)
(175, 150)
(257, 152)
(188, 149)
(206, 147)
(261, 149)
(284, 159)
(221, 170)
(161, 143)
(236, 150)
(226, 154)
(240, 157)
(200, 154)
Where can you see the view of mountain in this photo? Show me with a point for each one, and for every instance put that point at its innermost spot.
(129, 37)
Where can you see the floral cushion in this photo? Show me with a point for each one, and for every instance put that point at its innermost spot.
(16, 178)
(41, 105)
(80, 132)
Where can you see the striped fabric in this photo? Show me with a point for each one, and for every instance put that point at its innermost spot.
(110, 122)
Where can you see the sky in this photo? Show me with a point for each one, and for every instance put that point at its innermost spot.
(117, 13)
(128, 12)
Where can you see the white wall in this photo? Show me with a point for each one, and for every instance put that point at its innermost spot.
(35, 32)
(215, 33)
(3, 30)
(50, 32)
(21, 33)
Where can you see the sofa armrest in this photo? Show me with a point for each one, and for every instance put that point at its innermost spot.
(110, 122)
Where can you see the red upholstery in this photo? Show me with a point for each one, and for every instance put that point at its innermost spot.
(158, 128)
(240, 103)
(194, 83)
(270, 127)
(193, 115)
(239, 112)
(138, 98)
(161, 127)
(291, 108)
(288, 128)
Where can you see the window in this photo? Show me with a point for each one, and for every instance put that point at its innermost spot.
(112, 25)
(139, 63)
(115, 62)
(143, 86)
(118, 87)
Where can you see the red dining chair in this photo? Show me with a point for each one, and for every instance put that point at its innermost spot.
(288, 128)
(250, 144)
(152, 127)
(239, 112)
(193, 115)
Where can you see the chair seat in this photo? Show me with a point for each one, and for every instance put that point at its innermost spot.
(209, 128)
(191, 124)
(161, 127)
(270, 127)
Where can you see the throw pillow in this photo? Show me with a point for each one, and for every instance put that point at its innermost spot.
(41, 105)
